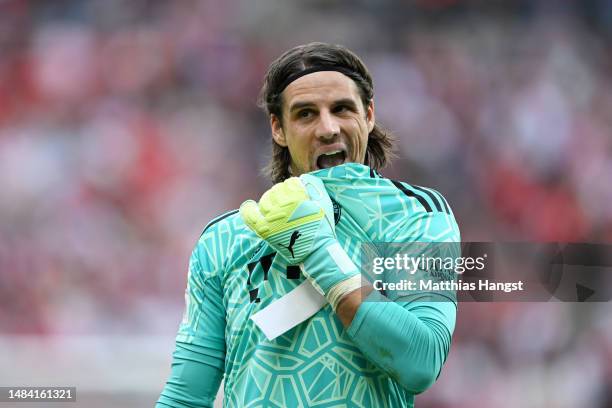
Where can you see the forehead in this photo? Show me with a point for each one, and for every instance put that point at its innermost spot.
(320, 87)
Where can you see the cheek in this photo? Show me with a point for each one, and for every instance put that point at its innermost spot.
(360, 136)
(299, 148)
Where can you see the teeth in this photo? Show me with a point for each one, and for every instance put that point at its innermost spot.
(332, 153)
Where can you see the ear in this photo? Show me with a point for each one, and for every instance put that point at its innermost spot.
(277, 131)
(370, 117)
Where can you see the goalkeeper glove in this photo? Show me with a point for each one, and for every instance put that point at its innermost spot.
(296, 218)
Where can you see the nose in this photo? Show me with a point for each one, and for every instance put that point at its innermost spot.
(327, 127)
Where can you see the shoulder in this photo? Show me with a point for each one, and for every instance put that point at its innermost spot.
(427, 214)
(221, 240)
(225, 221)
(434, 221)
(425, 199)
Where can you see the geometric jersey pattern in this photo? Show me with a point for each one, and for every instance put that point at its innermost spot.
(233, 274)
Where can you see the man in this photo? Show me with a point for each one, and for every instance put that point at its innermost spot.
(249, 313)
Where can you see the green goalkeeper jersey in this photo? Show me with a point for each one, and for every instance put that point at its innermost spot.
(233, 274)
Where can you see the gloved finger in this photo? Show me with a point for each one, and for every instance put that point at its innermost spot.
(294, 185)
(273, 198)
(285, 194)
(249, 211)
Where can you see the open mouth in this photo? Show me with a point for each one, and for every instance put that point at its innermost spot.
(331, 159)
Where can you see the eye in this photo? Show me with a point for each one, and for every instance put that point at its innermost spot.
(304, 113)
(341, 109)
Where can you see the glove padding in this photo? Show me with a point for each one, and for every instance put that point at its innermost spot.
(292, 216)
(296, 218)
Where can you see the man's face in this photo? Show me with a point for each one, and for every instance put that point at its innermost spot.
(324, 122)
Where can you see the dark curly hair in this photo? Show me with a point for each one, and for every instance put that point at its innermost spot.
(380, 146)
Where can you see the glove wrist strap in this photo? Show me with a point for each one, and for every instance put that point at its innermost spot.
(335, 294)
(331, 271)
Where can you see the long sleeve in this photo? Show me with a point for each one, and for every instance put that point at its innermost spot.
(194, 381)
(410, 337)
(199, 356)
(409, 341)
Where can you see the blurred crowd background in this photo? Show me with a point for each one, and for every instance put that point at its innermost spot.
(125, 126)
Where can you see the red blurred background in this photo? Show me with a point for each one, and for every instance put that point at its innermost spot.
(126, 125)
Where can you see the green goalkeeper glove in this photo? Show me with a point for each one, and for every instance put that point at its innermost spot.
(296, 218)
